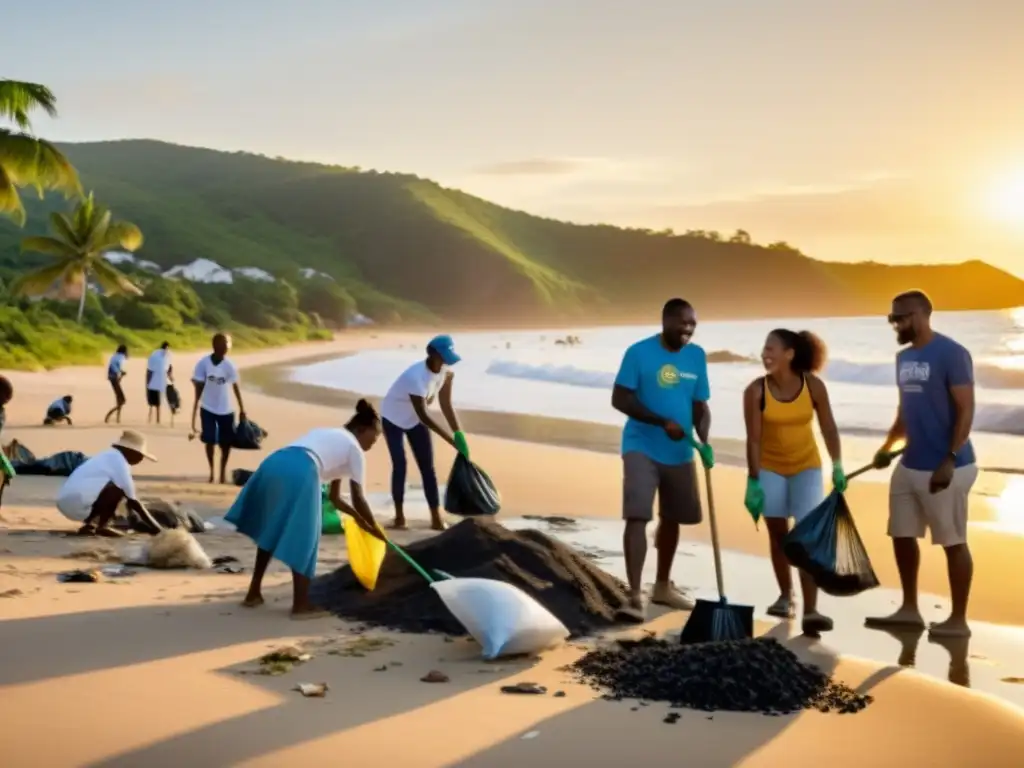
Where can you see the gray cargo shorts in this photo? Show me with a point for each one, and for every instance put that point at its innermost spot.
(675, 485)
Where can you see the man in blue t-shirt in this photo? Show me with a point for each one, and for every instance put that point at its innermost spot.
(662, 387)
(930, 486)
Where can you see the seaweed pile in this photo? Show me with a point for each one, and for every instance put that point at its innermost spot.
(581, 595)
(759, 675)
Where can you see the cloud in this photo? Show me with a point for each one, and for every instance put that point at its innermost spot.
(539, 166)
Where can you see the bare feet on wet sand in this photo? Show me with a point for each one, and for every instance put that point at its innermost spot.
(906, 618)
(252, 601)
(670, 597)
(398, 524)
(633, 611)
(951, 627)
(308, 613)
(437, 523)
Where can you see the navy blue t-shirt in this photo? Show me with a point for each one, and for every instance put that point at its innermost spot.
(925, 376)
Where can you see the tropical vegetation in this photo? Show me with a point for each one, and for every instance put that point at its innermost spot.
(25, 159)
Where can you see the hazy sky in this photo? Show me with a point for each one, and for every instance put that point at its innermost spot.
(866, 129)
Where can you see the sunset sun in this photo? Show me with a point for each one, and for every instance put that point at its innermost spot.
(1005, 199)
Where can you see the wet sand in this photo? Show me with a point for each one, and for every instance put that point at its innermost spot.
(147, 669)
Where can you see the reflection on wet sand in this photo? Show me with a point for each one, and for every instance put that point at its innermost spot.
(958, 649)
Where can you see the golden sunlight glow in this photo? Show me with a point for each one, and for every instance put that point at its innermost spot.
(1005, 199)
(1009, 507)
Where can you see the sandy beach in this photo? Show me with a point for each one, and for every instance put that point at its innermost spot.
(151, 669)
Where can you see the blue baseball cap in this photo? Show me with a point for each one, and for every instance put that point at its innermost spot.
(445, 348)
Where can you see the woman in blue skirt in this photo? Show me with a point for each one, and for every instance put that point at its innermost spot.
(279, 508)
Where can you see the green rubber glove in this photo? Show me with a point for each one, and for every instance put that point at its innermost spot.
(838, 477)
(753, 500)
(707, 455)
(459, 438)
(6, 468)
(704, 450)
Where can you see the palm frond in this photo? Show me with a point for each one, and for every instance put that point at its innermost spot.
(112, 280)
(18, 99)
(42, 281)
(32, 161)
(63, 229)
(51, 246)
(125, 236)
(10, 200)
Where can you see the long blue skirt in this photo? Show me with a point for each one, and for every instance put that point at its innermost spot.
(279, 509)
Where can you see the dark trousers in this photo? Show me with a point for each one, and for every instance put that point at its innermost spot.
(422, 453)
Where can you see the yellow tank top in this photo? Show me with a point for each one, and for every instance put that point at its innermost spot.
(788, 446)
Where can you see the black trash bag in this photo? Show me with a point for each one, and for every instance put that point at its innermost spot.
(249, 436)
(59, 465)
(168, 514)
(827, 545)
(241, 476)
(470, 491)
(19, 454)
(173, 398)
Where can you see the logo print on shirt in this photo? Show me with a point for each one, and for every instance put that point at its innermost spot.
(668, 376)
(220, 380)
(913, 375)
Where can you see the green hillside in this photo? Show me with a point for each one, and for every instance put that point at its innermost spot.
(406, 248)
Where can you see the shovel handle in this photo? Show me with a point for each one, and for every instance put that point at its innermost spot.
(715, 547)
(869, 467)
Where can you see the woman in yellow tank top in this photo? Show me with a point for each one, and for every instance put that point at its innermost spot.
(784, 467)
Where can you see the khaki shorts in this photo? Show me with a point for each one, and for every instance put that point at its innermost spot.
(913, 508)
(674, 484)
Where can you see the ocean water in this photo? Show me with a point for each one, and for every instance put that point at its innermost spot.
(527, 372)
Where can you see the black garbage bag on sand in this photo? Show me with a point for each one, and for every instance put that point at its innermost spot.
(241, 476)
(169, 514)
(827, 545)
(470, 491)
(59, 465)
(173, 398)
(249, 436)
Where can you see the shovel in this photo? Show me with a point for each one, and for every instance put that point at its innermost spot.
(717, 620)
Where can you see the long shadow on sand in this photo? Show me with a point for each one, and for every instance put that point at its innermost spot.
(75, 643)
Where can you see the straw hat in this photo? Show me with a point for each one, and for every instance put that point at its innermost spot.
(133, 441)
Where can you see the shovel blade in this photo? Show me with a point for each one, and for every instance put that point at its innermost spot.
(716, 620)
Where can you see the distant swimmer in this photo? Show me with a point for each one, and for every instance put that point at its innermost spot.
(404, 414)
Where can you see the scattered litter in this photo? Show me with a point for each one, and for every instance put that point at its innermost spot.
(434, 676)
(758, 675)
(11, 593)
(219, 524)
(96, 552)
(530, 735)
(118, 572)
(1014, 680)
(559, 694)
(528, 688)
(78, 577)
(312, 690)
(672, 718)
(231, 569)
(381, 668)
(225, 560)
(360, 646)
(286, 653)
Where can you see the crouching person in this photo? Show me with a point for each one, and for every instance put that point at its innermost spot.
(92, 493)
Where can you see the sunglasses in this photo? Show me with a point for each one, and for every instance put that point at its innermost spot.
(899, 317)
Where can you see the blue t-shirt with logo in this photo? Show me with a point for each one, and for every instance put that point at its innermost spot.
(667, 383)
(925, 376)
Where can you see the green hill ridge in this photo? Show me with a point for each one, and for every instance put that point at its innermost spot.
(408, 249)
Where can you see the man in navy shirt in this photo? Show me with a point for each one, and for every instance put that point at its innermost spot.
(662, 386)
(930, 486)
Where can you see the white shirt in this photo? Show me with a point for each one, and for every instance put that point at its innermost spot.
(81, 489)
(337, 453)
(159, 364)
(218, 380)
(416, 380)
(59, 405)
(116, 365)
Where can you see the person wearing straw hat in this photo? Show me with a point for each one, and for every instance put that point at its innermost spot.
(279, 507)
(94, 490)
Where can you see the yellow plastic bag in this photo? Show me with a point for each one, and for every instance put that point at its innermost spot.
(365, 553)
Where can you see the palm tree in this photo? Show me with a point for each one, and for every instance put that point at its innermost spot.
(24, 159)
(78, 243)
